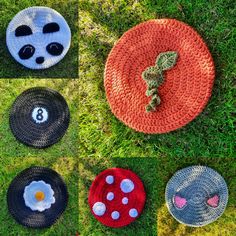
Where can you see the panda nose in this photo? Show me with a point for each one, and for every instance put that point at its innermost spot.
(40, 60)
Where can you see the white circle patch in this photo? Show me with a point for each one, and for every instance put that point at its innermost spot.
(99, 209)
(40, 115)
(110, 179)
(125, 200)
(115, 215)
(110, 196)
(133, 213)
(127, 186)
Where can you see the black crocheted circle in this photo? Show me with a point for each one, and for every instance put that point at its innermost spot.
(23, 214)
(39, 117)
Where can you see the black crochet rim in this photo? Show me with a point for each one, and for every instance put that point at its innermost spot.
(23, 214)
(45, 134)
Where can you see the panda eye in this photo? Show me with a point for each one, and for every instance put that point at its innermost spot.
(55, 49)
(23, 30)
(51, 28)
(26, 52)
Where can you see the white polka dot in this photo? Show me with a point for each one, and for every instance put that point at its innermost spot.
(115, 215)
(127, 185)
(99, 208)
(125, 200)
(110, 179)
(133, 213)
(110, 196)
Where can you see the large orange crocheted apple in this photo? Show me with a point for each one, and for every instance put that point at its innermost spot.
(159, 76)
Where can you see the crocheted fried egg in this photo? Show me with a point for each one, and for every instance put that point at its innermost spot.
(39, 196)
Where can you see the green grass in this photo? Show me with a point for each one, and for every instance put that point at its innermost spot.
(209, 139)
(104, 141)
(67, 168)
(67, 68)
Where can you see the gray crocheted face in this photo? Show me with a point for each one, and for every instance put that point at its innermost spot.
(196, 195)
(38, 37)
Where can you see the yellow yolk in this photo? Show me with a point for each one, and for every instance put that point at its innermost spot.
(39, 196)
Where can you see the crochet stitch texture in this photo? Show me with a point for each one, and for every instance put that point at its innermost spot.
(187, 86)
(205, 193)
(154, 77)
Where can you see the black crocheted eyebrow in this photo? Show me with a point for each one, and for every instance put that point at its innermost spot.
(51, 28)
(23, 30)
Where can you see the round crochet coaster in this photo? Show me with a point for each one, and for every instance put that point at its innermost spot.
(16, 198)
(38, 37)
(39, 117)
(159, 76)
(116, 197)
(196, 196)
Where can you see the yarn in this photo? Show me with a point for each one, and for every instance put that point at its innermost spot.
(39, 117)
(38, 37)
(187, 86)
(22, 213)
(196, 196)
(116, 197)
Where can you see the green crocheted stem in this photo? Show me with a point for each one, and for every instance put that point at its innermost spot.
(155, 101)
(153, 76)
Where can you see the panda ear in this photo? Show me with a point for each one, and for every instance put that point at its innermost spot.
(23, 30)
(51, 28)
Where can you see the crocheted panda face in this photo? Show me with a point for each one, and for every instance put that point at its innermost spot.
(38, 37)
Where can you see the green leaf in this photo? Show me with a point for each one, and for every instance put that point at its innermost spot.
(154, 77)
(166, 60)
(151, 73)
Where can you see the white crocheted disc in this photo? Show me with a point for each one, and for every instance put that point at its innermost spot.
(34, 33)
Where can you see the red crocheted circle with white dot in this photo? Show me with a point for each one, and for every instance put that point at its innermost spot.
(100, 188)
(187, 87)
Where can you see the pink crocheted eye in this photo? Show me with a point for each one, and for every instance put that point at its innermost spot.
(180, 202)
(213, 201)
